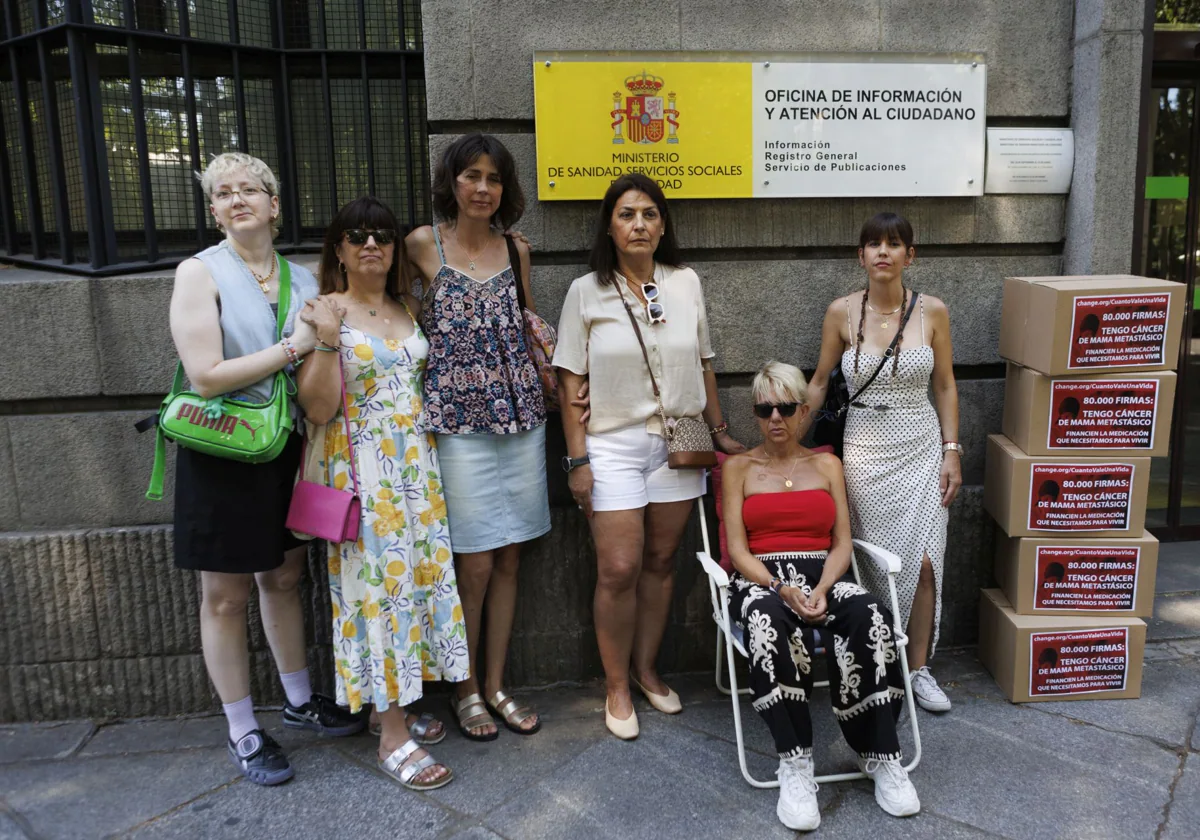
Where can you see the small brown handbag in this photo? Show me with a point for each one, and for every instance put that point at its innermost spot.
(689, 443)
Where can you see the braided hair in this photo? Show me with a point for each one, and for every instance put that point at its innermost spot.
(862, 319)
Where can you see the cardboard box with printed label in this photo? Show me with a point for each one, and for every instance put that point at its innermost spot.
(1039, 495)
(1096, 324)
(1094, 577)
(1037, 658)
(1107, 414)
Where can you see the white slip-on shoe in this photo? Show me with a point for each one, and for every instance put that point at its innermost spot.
(893, 790)
(929, 694)
(797, 807)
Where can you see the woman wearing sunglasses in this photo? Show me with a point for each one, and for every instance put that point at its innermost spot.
(637, 505)
(787, 525)
(483, 399)
(901, 450)
(397, 619)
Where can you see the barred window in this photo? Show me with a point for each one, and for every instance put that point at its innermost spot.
(105, 117)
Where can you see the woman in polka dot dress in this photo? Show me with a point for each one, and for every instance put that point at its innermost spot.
(901, 452)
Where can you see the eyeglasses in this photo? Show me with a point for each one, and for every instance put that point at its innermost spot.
(655, 313)
(763, 410)
(247, 194)
(359, 236)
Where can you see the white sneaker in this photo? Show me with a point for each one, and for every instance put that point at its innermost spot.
(893, 791)
(797, 807)
(929, 694)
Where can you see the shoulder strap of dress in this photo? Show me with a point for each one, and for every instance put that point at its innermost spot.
(437, 238)
(921, 298)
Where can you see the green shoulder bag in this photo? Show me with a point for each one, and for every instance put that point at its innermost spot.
(254, 433)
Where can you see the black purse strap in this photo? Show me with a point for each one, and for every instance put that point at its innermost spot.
(514, 259)
(887, 357)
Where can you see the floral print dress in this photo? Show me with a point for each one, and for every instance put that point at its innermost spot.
(397, 618)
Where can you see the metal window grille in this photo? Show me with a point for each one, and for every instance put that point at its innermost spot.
(108, 107)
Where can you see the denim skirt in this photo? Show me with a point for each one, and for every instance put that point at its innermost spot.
(495, 488)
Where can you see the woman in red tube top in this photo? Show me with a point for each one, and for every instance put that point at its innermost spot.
(788, 530)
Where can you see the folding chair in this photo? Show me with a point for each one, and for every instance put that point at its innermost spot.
(731, 636)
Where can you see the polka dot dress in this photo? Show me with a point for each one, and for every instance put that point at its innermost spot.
(893, 463)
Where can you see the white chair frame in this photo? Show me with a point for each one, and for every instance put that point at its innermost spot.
(730, 637)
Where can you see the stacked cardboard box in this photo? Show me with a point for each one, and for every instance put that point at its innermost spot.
(1087, 403)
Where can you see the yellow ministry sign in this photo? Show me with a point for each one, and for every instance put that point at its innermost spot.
(685, 124)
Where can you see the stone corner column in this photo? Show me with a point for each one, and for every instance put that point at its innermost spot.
(1106, 103)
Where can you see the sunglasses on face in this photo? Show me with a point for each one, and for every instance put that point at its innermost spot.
(359, 236)
(763, 410)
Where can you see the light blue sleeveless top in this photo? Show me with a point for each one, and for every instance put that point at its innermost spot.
(247, 322)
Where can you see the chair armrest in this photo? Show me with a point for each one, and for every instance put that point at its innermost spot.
(887, 562)
(714, 570)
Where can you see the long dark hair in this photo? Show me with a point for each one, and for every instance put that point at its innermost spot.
(458, 156)
(365, 212)
(883, 227)
(603, 259)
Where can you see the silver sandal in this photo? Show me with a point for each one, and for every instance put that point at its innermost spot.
(405, 774)
(419, 730)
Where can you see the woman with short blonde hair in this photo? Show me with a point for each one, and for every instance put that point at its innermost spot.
(229, 515)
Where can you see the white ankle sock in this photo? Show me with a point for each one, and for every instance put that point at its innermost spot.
(240, 716)
(297, 687)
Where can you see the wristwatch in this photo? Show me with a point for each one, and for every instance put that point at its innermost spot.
(949, 445)
(570, 463)
(776, 584)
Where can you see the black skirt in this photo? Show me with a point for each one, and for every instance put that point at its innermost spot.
(229, 515)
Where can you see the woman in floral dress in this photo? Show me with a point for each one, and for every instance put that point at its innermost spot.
(397, 618)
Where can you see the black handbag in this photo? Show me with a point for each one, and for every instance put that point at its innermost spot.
(829, 423)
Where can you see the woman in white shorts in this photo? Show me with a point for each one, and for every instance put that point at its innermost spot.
(637, 505)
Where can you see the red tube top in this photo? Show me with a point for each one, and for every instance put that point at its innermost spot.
(798, 521)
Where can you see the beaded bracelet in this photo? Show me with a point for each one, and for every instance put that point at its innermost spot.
(717, 429)
(290, 351)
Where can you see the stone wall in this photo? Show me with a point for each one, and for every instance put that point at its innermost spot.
(95, 621)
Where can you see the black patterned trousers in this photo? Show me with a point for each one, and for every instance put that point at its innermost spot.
(866, 682)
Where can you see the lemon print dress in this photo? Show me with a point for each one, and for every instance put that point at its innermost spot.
(397, 618)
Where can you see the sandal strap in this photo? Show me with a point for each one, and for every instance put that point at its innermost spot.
(507, 707)
(422, 725)
(410, 772)
(399, 755)
(472, 708)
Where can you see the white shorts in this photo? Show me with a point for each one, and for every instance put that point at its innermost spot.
(629, 469)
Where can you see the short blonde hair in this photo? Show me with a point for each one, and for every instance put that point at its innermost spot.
(780, 381)
(222, 165)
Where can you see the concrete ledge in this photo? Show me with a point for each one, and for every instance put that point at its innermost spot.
(136, 352)
(53, 338)
(86, 470)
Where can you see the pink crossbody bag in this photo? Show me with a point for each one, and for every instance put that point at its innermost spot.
(326, 512)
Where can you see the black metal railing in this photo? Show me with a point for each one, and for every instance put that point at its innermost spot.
(107, 108)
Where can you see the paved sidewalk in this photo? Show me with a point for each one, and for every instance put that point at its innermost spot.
(1118, 769)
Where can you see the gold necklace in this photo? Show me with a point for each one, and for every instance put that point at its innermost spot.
(470, 259)
(883, 325)
(264, 281)
(787, 480)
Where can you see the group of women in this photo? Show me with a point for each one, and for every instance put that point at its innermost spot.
(432, 409)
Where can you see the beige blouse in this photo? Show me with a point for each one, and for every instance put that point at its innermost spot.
(595, 339)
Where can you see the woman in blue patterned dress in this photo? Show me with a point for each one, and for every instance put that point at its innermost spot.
(397, 619)
(483, 399)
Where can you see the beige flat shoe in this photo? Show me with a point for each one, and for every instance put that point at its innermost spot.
(668, 704)
(626, 729)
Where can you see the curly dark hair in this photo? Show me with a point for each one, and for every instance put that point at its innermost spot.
(458, 156)
(603, 258)
(366, 212)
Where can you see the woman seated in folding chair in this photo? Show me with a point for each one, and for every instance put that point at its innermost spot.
(788, 531)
